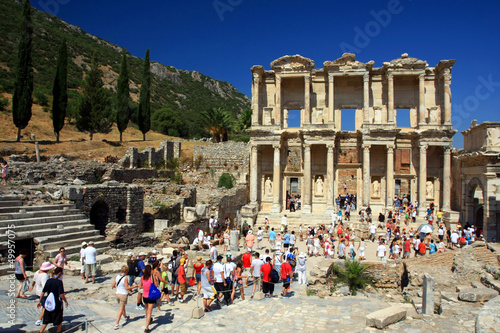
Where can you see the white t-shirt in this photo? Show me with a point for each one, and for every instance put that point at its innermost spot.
(260, 234)
(292, 239)
(256, 265)
(200, 235)
(218, 268)
(211, 222)
(90, 255)
(381, 251)
(373, 229)
(40, 279)
(213, 253)
(440, 232)
(82, 254)
(454, 237)
(120, 288)
(228, 268)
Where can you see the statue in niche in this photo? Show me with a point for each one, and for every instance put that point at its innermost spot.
(376, 189)
(492, 137)
(319, 186)
(269, 187)
(429, 189)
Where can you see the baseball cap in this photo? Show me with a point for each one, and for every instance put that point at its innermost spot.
(142, 254)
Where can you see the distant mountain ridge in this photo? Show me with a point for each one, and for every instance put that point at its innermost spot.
(184, 93)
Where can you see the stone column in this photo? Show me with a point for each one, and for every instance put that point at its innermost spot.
(428, 295)
(366, 98)
(422, 180)
(366, 175)
(255, 99)
(421, 99)
(233, 241)
(329, 179)
(390, 176)
(306, 203)
(447, 96)
(390, 98)
(253, 174)
(277, 111)
(307, 100)
(331, 99)
(276, 207)
(446, 178)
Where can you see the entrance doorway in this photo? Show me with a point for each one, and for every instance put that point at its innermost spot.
(294, 186)
(29, 245)
(99, 216)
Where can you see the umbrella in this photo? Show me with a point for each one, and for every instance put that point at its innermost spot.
(426, 228)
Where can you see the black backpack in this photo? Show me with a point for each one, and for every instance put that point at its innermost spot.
(133, 268)
(172, 265)
(274, 277)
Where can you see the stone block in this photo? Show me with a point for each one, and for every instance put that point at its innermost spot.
(167, 251)
(73, 193)
(202, 211)
(190, 214)
(477, 294)
(489, 281)
(385, 317)
(159, 226)
(259, 295)
(197, 313)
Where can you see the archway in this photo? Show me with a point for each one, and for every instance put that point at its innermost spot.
(99, 216)
(475, 204)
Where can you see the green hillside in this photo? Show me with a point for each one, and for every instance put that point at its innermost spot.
(178, 96)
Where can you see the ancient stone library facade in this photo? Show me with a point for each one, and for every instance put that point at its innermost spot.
(398, 144)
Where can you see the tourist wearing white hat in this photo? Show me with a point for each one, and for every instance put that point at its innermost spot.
(90, 260)
(301, 268)
(82, 270)
(39, 280)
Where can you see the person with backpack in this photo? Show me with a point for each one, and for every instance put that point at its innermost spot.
(228, 279)
(148, 283)
(173, 267)
(286, 275)
(122, 287)
(39, 280)
(268, 274)
(53, 305)
(138, 271)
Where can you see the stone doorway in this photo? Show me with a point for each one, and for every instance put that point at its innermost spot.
(99, 216)
(29, 245)
(479, 218)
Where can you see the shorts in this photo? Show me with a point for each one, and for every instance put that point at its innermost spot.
(82, 270)
(286, 245)
(441, 237)
(256, 280)
(286, 284)
(361, 253)
(165, 290)
(226, 242)
(90, 269)
(148, 301)
(20, 277)
(268, 287)
(121, 299)
(209, 292)
(238, 283)
(53, 317)
(184, 287)
(407, 254)
(198, 277)
(174, 280)
(219, 286)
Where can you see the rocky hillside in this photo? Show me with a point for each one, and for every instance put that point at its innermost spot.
(176, 93)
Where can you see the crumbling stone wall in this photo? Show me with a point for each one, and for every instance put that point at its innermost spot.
(224, 155)
(150, 157)
(129, 175)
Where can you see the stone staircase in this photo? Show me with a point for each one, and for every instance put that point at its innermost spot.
(50, 227)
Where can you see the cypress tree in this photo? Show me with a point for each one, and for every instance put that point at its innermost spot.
(94, 113)
(144, 115)
(23, 87)
(123, 97)
(60, 90)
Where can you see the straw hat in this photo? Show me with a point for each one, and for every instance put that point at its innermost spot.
(199, 258)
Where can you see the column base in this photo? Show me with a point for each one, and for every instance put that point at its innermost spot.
(306, 209)
(421, 211)
(276, 208)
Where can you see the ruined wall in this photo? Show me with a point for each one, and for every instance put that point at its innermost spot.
(224, 155)
(129, 175)
(151, 157)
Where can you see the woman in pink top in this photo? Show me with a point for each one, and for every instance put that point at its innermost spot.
(146, 281)
(61, 260)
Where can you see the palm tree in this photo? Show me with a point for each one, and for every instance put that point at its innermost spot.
(218, 122)
(354, 274)
(245, 120)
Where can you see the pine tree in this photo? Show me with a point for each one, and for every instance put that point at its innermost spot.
(60, 90)
(23, 87)
(144, 115)
(123, 97)
(94, 112)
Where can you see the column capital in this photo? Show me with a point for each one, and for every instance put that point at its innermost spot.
(366, 77)
(390, 148)
(447, 150)
(423, 147)
(330, 146)
(331, 77)
(390, 75)
(254, 147)
(307, 78)
(277, 78)
(366, 148)
(421, 76)
(276, 146)
(307, 147)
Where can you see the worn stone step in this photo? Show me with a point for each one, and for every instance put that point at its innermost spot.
(42, 234)
(46, 213)
(9, 197)
(41, 220)
(35, 208)
(55, 241)
(11, 203)
(100, 244)
(52, 225)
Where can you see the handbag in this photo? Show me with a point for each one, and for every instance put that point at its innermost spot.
(192, 281)
(26, 286)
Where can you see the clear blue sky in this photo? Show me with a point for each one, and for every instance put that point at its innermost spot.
(225, 42)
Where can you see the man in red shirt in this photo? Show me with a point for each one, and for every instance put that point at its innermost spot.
(286, 275)
(422, 248)
(407, 249)
(265, 271)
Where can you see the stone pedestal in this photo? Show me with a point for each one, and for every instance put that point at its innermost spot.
(428, 295)
(198, 312)
(233, 240)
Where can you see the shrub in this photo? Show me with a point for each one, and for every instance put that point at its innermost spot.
(41, 98)
(173, 164)
(4, 103)
(177, 178)
(354, 274)
(226, 180)
(198, 161)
